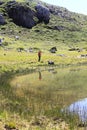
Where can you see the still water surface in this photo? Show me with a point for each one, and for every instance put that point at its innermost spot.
(79, 108)
(53, 88)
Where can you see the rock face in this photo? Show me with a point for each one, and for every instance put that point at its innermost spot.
(2, 20)
(61, 12)
(43, 13)
(1, 2)
(21, 15)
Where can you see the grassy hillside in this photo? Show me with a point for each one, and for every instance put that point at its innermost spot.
(21, 105)
(66, 30)
(71, 31)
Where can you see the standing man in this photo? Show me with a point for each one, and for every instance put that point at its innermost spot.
(39, 56)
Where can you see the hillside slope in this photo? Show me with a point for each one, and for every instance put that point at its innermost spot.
(65, 29)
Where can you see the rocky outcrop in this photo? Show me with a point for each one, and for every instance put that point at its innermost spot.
(1, 2)
(2, 20)
(59, 28)
(43, 13)
(61, 12)
(21, 14)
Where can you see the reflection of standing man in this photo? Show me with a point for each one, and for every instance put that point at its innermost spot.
(40, 77)
(39, 55)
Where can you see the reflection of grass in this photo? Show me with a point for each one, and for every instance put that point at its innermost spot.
(31, 96)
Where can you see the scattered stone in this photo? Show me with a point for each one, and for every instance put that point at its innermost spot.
(82, 124)
(62, 55)
(1, 41)
(16, 37)
(20, 49)
(53, 50)
(80, 50)
(30, 49)
(59, 28)
(50, 62)
(74, 49)
(84, 55)
(2, 20)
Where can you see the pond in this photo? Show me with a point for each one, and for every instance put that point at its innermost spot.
(46, 90)
(79, 108)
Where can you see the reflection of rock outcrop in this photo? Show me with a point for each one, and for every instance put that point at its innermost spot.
(42, 13)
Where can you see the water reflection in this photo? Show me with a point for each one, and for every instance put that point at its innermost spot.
(44, 72)
(80, 108)
(53, 87)
(40, 76)
(54, 71)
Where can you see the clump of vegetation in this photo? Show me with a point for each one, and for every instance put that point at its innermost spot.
(10, 126)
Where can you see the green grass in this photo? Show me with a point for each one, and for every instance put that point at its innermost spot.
(46, 97)
(11, 60)
(74, 33)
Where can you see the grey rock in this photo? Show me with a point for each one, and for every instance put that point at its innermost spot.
(2, 20)
(53, 50)
(25, 16)
(43, 13)
(21, 14)
(61, 12)
(1, 2)
(50, 62)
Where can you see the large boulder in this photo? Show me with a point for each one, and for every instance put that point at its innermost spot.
(53, 50)
(22, 15)
(43, 13)
(2, 20)
(1, 2)
(25, 16)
